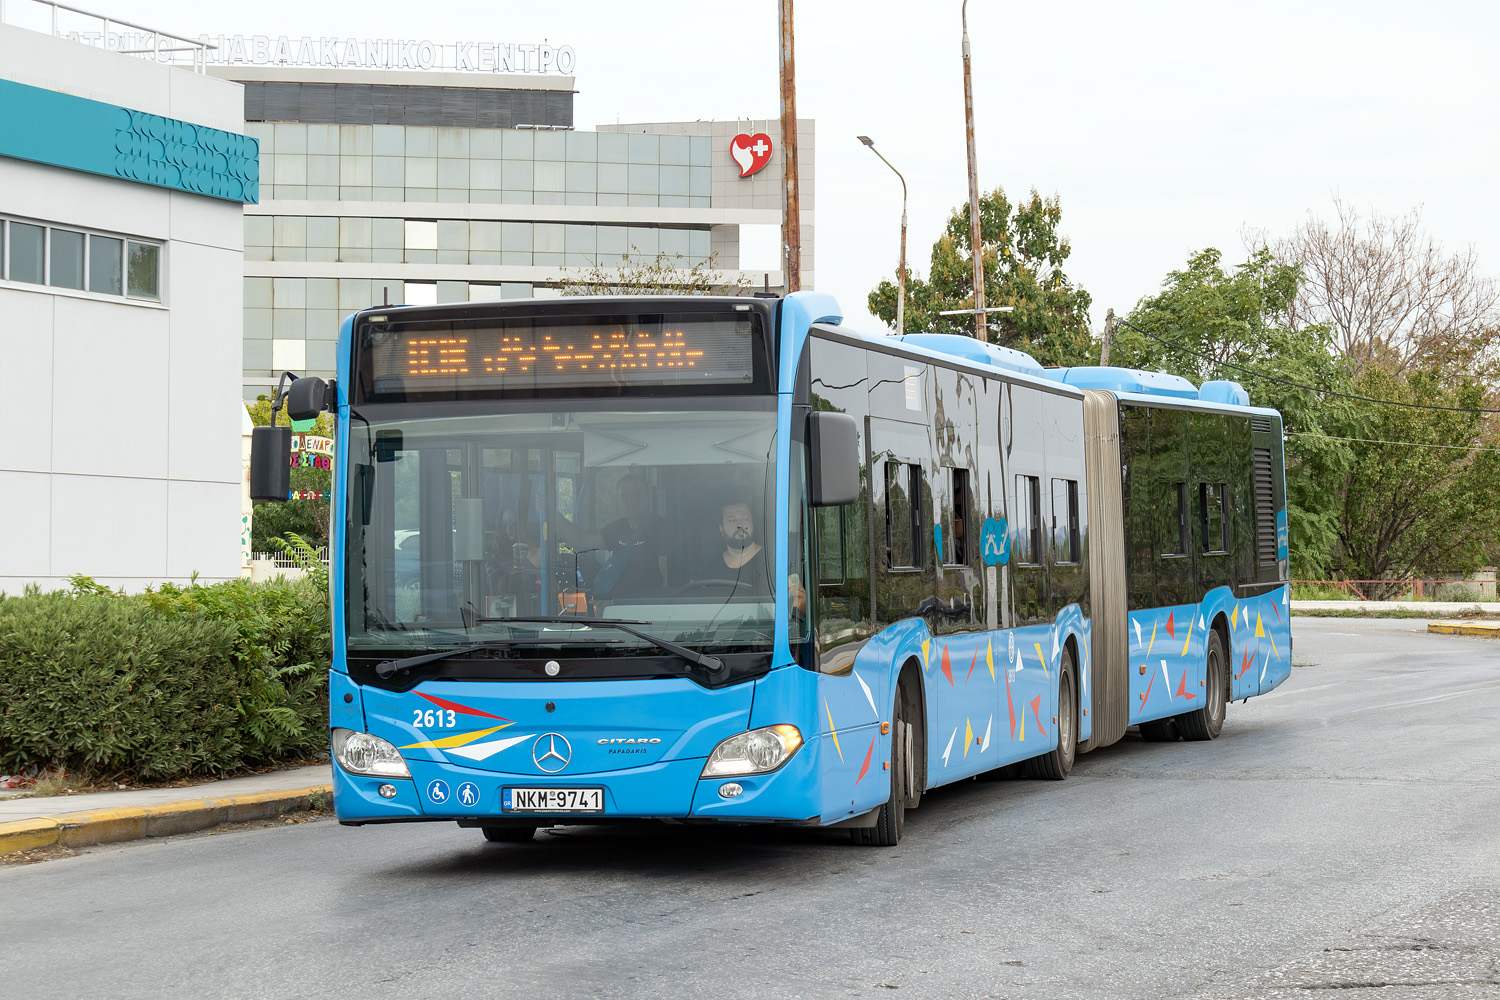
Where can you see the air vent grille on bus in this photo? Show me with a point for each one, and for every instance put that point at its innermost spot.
(1265, 509)
(1260, 425)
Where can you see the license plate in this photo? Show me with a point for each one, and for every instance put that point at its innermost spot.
(552, 800)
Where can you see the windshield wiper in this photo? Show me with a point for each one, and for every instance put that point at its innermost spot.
(386, 668)
(710, 663)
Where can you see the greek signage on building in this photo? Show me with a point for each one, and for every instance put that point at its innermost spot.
(75, 133)
(387, 53)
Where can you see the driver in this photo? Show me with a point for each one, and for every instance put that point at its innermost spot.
(743, 560)
(636, 543)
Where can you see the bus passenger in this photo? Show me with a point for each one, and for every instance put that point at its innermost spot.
(636, 543)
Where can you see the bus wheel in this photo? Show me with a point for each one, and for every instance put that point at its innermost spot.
(1208, 721)
(509, 834)
(892, 816)
(1055, 764)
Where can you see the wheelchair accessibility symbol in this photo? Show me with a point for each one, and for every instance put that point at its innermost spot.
(468, 794)
(437, 791)
(992, 539)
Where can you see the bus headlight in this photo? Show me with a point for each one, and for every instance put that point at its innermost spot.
(361, 753)
(755, 752)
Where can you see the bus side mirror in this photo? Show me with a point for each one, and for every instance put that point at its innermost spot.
(270, 463)
(307, 397)
(833, 449)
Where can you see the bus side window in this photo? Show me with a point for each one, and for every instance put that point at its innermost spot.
(1029, 520)
(903, 515)
(1067, 544)
(1174, 519)
(830, 545)
(956, 520)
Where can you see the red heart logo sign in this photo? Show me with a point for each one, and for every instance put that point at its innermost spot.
(751, 152)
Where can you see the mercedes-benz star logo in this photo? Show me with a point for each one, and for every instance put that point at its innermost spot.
(551, 752)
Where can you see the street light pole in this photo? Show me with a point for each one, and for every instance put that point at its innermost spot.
(975, 247)
(901, 285)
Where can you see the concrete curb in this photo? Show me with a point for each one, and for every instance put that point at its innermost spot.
(1489, 629)
(102, 826)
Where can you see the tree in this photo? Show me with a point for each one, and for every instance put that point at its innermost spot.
(306, 518)
(1023, 258)
(1418, 497)
(1212, 324)
(1391, 294)
(639, 274)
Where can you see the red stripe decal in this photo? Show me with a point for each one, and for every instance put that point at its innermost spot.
(460, 709)
(866, 768)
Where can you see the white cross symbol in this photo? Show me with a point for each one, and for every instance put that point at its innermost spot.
(760, 148)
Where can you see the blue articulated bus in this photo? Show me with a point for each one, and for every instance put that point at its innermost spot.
(721, 560)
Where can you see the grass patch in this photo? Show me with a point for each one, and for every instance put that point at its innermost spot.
(1467, 613)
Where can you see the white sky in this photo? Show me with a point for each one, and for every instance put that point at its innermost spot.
(1164, 127)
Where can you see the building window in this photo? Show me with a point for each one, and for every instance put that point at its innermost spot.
(83, 261)
(67, 259)
(106, 265)
(144, 271)
(27, 261)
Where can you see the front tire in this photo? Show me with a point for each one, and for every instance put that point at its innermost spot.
(1208, 722)
(891, 818)
(1055, 764)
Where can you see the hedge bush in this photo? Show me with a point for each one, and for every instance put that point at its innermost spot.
(168, 683)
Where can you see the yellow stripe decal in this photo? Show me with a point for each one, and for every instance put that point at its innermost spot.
(463, 739)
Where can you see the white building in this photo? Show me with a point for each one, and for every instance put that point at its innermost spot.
(120, 315)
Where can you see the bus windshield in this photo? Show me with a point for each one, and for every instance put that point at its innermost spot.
(459, 527)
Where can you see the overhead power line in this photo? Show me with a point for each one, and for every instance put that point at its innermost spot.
(1299, 385)
(1408, 444)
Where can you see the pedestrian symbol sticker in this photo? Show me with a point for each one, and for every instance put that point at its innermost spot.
(468, 794)
(992, 542)
(437, 791)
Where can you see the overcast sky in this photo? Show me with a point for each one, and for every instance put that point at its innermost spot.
(1163, 127)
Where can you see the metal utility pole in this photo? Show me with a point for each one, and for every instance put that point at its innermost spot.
(792, 220)
(975, 246)
(901, 285)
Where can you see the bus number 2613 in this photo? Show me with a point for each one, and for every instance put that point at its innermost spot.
(440, 718)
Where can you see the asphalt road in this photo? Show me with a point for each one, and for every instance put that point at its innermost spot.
(1339, 839)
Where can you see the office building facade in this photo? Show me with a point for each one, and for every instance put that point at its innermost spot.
(422, 187)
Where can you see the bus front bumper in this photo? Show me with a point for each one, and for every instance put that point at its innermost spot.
(670, 790)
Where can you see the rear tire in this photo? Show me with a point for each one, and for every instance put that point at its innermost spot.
(891, 818)
(1208, 722)
(509, 834)
(1055, 764)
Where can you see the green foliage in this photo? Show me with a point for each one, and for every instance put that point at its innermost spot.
(168, 683)
(1357, 507)
(308, 518)
(639, 274)
(1222, 325)
(1418, 498)
(1023, 256)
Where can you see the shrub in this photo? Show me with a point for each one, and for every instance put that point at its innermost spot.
(171, 682)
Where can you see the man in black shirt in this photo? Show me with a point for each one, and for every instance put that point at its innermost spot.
(743, 560)
(636, 543)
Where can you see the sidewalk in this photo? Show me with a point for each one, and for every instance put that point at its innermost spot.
(102, 817)
(1437, 609)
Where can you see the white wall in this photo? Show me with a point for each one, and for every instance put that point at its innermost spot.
(120, 420)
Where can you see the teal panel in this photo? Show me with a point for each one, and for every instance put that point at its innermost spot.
(61, 130)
